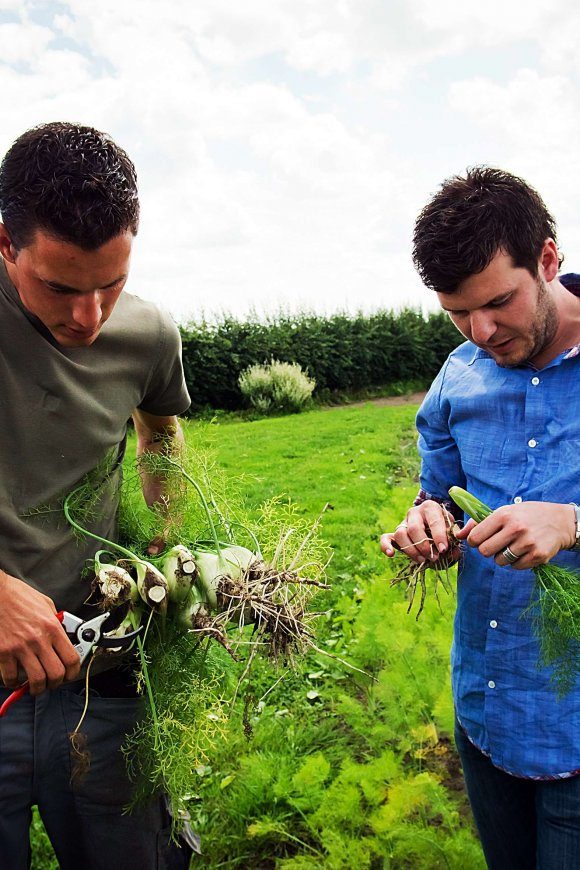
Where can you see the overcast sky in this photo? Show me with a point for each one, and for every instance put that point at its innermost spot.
(284, 147)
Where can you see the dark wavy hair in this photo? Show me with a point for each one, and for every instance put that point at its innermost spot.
(471, 218)
(70, 181)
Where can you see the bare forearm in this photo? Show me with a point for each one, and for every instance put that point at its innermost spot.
(170, 441)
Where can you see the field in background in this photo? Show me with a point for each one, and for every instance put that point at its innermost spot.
(341, 771)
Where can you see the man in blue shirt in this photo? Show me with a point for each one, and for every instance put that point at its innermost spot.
(502, 419)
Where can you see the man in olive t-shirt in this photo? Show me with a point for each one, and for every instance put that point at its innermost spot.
(68, 408)
(78, 358)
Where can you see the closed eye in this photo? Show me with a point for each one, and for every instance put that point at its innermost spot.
(497, 303)
(63, 290)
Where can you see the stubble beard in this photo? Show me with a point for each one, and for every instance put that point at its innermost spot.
(542, 330)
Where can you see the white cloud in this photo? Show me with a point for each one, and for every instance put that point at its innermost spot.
(534, 122)
(23, 43)
(492, 22)
(285, 146)
(525, 111)
(324, 53)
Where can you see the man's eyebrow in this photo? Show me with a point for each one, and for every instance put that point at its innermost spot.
(56, 286)
(498, 298)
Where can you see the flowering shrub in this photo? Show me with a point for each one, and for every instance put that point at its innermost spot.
(277, 386)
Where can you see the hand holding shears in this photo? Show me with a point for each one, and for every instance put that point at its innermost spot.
(84, 635)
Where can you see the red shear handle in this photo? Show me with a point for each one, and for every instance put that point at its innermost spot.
(16, 695)
(19, 693)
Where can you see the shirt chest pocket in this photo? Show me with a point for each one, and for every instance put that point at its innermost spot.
(482, 453)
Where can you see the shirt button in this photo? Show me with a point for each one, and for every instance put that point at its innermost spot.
(491, 684)
(535, 381)
(518, 499)
(493, 623)
(532, 442)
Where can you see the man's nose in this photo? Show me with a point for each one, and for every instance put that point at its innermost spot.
(483, 326)
(87, 310)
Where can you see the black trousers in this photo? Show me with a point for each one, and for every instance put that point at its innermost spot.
(85, 819)
(523, 824)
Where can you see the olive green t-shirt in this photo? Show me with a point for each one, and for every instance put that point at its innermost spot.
(63, 412)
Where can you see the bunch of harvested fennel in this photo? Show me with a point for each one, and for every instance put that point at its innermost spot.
(226, 589)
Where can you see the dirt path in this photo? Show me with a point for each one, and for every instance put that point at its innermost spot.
(408, 399)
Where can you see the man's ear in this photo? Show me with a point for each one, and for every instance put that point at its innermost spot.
(549, 260)
(7, 249)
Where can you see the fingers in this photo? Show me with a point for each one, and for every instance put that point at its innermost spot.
(68, 656)
(398, 541)
(414, 540)
(9, 672)
(156, 546)
(438, 522)
(47, 661)
(57, 655)
(388, 545)
(32, 639)
(45, 671)
(500, 538)
(508, 558)
(45, 668)
(423, 535)
(463, 533)
(32, 667)
(35, 673)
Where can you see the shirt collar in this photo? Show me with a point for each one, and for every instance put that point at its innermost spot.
(479, 353)
(572, 352)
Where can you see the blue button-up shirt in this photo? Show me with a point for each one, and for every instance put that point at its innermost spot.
(506, 435)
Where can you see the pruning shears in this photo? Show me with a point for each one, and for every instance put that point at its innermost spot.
(84, 635)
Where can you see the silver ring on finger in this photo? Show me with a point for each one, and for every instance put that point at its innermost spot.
(509, 556)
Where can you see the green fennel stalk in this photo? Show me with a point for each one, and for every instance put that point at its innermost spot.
(185, 708)
(140, 646)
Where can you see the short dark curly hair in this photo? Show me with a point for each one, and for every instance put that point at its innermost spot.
(471, 218)
(70, 181)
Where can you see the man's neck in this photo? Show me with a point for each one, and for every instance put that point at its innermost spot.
(568, 330)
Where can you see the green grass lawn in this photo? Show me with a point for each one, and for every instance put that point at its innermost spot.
(343, 770)
(347, 457)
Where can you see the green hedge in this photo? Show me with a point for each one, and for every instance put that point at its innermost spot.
(341, 352)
